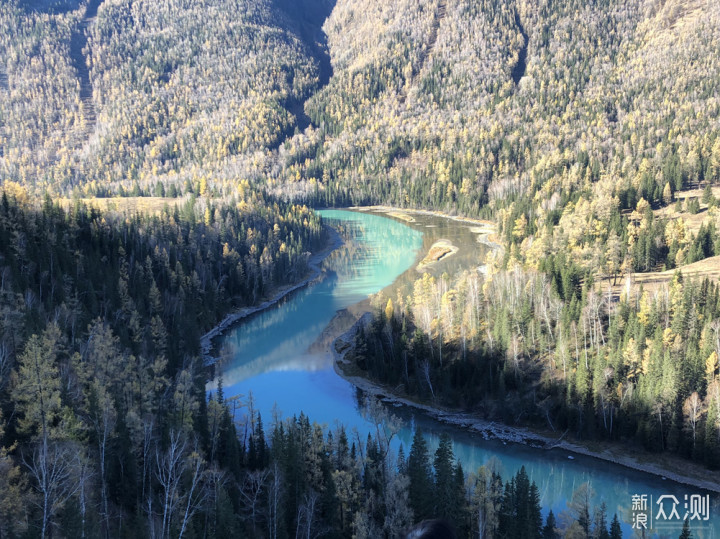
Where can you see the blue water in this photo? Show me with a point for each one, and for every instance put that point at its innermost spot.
(269, 358)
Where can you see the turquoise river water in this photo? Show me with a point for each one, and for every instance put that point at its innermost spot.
(267, 355)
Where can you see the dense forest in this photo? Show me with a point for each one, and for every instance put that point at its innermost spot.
(553, 350)
(106, 429)
(177, 90)
(588, 131)
(99, 341)
(422, 108)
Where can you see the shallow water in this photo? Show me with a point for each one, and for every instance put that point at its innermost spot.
(267, 355)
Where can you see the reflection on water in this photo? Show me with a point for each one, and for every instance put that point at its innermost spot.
(268, 356)
(375, 252)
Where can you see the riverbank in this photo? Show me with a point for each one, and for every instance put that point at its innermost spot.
(663, 466)
(399, 211)
(314, 263)
(486, 230)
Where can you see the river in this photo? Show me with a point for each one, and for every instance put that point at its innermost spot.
(268, 355)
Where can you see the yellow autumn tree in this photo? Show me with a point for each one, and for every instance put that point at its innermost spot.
(711, 366)
(389, 310)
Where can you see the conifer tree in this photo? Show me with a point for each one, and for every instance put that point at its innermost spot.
(549, 531)
(421, 481)
(36, 389)
(686, 533)
(600, 529)
(446, 501)
(535, 522)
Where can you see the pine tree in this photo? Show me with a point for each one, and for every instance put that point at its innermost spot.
(615, 529)
(712, 436)
(460, 513)
(600, 529)
(549, 531)
(15, 502)
(445, 500)
(535, 522)
(329, 502)
(707, 196)
(522, 502)
(509, 523)
(520, 513)
(37, 392)
(260, 443)
(37, 384)
(420, 478)
(686, 533)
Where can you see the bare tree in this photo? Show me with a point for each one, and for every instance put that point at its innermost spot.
(715, 326)
(274, 497)
(425, 366)
(84, 477)
(386, 424)
(215, 480)
(306, 515)
(252, 489)
(693, 410)
(104, 423)
(53, 467)
(197, 494)
(485, 496)
(170, 464)
(147, 432)
(398, 514)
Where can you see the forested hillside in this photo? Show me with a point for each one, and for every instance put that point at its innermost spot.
(585, 157)
(551, 351)
(588, 131)
(102, 389)
(106, 429)
(510, 109)
(179, 89)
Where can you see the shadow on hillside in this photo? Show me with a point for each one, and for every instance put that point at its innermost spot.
(50, 6)
(518, 71)
(306, 18)
(60, 6)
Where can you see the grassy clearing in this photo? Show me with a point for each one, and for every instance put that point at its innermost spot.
(653, 281)
(127, 204)
(692, 221)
